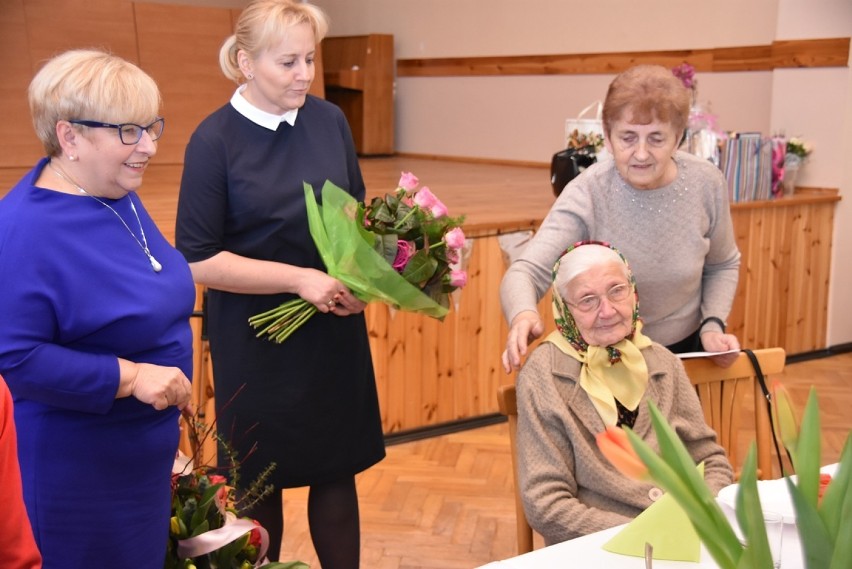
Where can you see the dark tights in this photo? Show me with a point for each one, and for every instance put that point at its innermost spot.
(332, 517)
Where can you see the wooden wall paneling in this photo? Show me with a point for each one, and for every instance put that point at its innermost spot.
(827, 52)
(18, 145)
(782, 298)
(56, 26)
(179, 48)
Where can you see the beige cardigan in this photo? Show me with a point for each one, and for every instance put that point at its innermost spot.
(569, 489)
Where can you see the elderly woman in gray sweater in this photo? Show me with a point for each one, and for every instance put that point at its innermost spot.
(666, 210)
(598, 370)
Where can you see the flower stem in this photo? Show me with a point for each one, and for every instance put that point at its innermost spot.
(405, 217)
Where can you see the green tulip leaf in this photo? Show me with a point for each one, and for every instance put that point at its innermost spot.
(838, 493)
(842, 543)
(807, 471)
(750, 515)
(817, 545)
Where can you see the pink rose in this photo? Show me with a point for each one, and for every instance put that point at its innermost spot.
(458, 278)
(453, 256)
(454, 238)
(404, 251)
(427, 200)
(222, 494)
(408, 181)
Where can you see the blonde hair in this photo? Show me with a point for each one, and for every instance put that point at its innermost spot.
(90, 85)
(262, 24)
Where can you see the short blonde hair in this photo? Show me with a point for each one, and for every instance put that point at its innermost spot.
(90, 85)
(264, 23)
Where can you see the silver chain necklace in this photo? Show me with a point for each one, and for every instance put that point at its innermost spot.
(142, 244)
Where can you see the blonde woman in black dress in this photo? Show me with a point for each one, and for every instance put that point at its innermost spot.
(309, 404)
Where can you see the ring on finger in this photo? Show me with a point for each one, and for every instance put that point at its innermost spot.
(331, 303)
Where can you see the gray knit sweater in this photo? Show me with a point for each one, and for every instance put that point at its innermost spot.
(569, 489)
(678, 239)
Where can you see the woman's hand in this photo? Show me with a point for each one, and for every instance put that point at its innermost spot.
(526, 326)
(328, 294)
(713, 341)
(158, 386)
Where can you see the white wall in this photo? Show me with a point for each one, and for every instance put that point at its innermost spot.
(817, 104)
(522, 117)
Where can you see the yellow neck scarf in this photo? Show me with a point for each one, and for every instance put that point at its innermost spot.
(605, 381)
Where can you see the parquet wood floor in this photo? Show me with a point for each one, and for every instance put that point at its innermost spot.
(446, 502)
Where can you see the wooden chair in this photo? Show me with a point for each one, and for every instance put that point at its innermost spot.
(722, 390)
(508, 406)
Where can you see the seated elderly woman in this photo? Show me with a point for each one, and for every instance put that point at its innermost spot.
(598, 370)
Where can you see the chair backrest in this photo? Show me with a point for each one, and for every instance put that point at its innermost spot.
(508, 405)
(722, 391)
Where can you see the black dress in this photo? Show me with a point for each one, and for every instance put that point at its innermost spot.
(309, 404)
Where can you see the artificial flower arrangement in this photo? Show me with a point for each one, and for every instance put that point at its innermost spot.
(823, 505)
(591, 142)
(207, 528)
(402, 249)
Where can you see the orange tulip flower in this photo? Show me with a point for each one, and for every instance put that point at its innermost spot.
(615, 446)
(784, 414)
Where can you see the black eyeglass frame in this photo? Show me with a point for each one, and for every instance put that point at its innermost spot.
(120, 127)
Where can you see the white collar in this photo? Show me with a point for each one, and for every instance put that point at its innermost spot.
(257, 116)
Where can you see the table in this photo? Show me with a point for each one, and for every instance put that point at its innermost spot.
(586, 551)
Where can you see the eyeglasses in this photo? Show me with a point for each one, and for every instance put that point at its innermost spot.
(592, 302)
(129, 133)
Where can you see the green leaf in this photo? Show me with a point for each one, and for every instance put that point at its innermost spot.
(809, 451)
(842, 543)
(386, 245)
(817, 546)
(750, 515)
(420, 267)
(838, 493)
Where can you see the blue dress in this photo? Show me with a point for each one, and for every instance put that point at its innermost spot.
(309, 404)
(77, 293)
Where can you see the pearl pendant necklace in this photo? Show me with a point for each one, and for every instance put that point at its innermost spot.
(142, 244)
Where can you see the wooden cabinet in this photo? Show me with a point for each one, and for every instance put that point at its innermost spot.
(359, 76)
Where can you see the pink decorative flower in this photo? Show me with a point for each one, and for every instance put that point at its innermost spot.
(458, 278)
(453, 256)
(454, 238)
(404, 251)
(427, 200)
(222, 494)
(686, 73)
(408, 181)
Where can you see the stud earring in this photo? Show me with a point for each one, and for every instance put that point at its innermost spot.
(71, 157)
(250, 76)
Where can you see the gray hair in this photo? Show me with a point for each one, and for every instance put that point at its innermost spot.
(580, 259)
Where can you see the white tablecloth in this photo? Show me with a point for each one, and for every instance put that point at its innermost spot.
(586, 552)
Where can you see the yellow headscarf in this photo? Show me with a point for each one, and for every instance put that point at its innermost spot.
(607, 373)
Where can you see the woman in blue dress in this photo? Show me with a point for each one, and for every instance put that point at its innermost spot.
(309, 404)
(95, 342)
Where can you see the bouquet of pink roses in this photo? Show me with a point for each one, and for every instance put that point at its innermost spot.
(402, 249)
